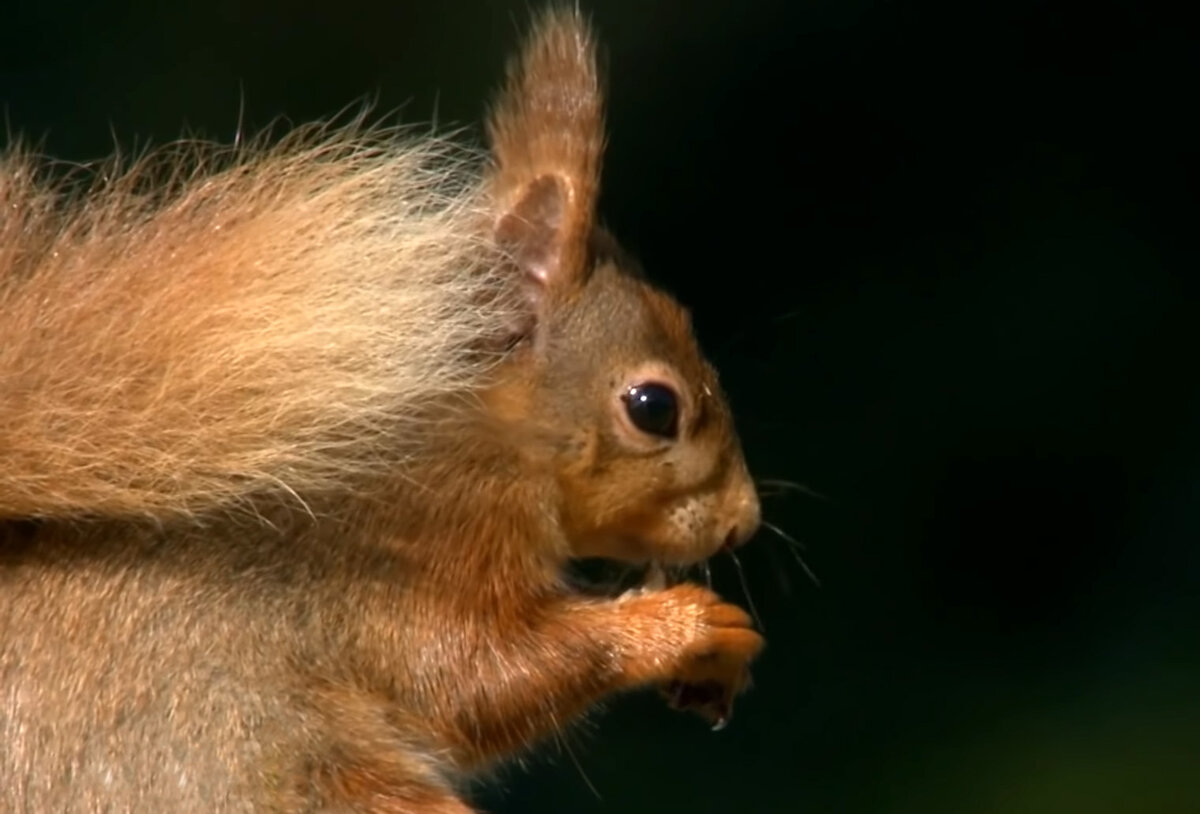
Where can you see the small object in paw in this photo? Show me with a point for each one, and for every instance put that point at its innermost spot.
(656, 577)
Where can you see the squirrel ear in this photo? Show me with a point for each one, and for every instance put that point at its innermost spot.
(547, 136)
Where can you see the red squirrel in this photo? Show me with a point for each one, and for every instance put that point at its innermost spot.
(296, 442)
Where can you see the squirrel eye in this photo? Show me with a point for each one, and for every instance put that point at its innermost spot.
(653, 409)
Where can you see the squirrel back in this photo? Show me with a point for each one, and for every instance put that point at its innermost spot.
(213, 324)
(463, 381)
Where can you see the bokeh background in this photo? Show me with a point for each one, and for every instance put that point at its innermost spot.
(944, 254)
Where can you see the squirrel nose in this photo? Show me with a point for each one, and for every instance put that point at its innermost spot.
(749, 517)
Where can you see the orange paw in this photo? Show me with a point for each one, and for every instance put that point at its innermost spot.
(713, 667)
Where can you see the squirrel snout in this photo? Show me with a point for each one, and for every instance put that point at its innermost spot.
(748, 516)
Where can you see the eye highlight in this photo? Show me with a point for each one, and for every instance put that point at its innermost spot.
(653, 408)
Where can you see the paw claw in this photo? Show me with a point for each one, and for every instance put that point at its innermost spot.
(711, 676)
(712, 668)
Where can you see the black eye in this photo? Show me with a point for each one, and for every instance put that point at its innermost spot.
(653, 409)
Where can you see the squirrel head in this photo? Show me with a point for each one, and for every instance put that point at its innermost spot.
(607, 390)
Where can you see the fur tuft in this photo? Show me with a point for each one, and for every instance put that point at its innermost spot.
(212, 324)
(550, 119)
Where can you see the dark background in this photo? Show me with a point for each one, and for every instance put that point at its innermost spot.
(943, 254)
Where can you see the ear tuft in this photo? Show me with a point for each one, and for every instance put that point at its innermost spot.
(547, 135)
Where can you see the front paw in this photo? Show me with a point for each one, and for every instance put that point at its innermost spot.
(713, 667)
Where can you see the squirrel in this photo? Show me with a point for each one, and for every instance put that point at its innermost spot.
(298, 440)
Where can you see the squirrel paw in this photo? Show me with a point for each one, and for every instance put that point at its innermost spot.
(715, 667)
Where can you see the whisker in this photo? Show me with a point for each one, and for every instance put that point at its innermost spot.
(795, 546)
(746, 591)
(786, 486)
(779, 568)
(708, 574)
(566, 746)
(742, 334)
(784, 535)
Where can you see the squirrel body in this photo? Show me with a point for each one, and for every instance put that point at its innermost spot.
(296, 449)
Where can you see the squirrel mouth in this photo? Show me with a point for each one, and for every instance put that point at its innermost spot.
(610, 578)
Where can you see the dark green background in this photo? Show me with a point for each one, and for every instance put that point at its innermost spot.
(944, 255)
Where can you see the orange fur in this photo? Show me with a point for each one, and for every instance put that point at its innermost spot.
(337, 337)
(542, 128)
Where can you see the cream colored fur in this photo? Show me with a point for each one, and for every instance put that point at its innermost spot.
(213, 324)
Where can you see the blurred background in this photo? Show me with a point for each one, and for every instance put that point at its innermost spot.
(944, 254)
